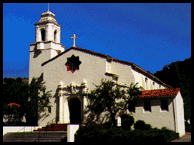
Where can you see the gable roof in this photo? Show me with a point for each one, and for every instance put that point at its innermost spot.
(134, 66)
(159, 93)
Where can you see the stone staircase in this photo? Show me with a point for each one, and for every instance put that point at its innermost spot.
(49, 133)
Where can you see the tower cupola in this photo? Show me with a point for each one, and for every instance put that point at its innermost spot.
(47, 28)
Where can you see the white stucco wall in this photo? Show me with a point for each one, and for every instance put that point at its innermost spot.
(124, 71)
(92, 69)
(179, 114)
(140, 78)
(157, 117)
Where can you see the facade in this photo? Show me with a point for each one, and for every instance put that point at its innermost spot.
(70, 72)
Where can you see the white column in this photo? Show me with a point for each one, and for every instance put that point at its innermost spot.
(66, 111)
(61, 108)
(58, 35)
(49, 34)
(38, 37)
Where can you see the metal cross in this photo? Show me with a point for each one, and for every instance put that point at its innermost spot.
(74, 39)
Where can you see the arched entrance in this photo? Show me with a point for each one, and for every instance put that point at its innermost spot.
(75, 111)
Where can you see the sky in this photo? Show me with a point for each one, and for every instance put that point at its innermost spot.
(151, 35)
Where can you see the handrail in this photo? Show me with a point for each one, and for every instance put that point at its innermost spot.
(48, 123)
(17, 132)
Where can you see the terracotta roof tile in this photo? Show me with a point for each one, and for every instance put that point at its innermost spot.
(159, 93)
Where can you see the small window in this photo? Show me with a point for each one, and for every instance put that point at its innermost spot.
(153, 85)
(147, 105)
(164, 105)
(146, 83)
(43, 34)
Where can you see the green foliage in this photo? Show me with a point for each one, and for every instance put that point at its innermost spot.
(141, 125)
(110, 97)
(187, 127)
(127, 121)
(32, 97)
(180, 77)
(95, 133)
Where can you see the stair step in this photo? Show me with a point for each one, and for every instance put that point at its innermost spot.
(49, 136)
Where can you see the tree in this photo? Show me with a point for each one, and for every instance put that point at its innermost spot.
(33, 98)
(110, 97)
(38, 101)
(180, 75)
(14, 92)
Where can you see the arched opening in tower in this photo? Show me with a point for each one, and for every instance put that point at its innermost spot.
(43, 34)
(55, 35)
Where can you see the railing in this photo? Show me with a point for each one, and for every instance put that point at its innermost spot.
(23, 128)
(16, 133)
(48, 123)
(15, 138)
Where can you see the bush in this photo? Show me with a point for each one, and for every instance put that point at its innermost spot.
(140, 124)
(87, 133)
(187, 127)
(143, 133)
(127, 121)
(169, 134)
(95, 133)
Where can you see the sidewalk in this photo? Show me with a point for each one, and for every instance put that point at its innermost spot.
(185, 138)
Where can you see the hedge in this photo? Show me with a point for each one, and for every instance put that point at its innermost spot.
(91, 133)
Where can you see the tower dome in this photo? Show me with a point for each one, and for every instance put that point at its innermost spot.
(47, 17)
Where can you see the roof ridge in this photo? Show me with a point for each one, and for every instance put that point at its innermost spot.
(134, 66)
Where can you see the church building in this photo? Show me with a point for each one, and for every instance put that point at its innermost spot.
(70, 72)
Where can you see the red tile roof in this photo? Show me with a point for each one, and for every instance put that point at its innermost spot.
(159, 93)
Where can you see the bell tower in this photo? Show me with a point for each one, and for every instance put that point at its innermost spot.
(47, 43)
(47, 28)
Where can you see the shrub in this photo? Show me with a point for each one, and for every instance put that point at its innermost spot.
(140, 124)
(187, 127)
(127, 121)
(169, 134)
(143, 133)
(148, 127)
(87, 133)
(95, 133)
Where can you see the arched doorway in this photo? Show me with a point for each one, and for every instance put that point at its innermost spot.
(75, 111)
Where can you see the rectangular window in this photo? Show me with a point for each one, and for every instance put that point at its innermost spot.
(147, 106)
(153, 85)
(146, 83)
(164, 104)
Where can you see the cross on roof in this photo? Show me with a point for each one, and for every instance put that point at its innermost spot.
(74, 39)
